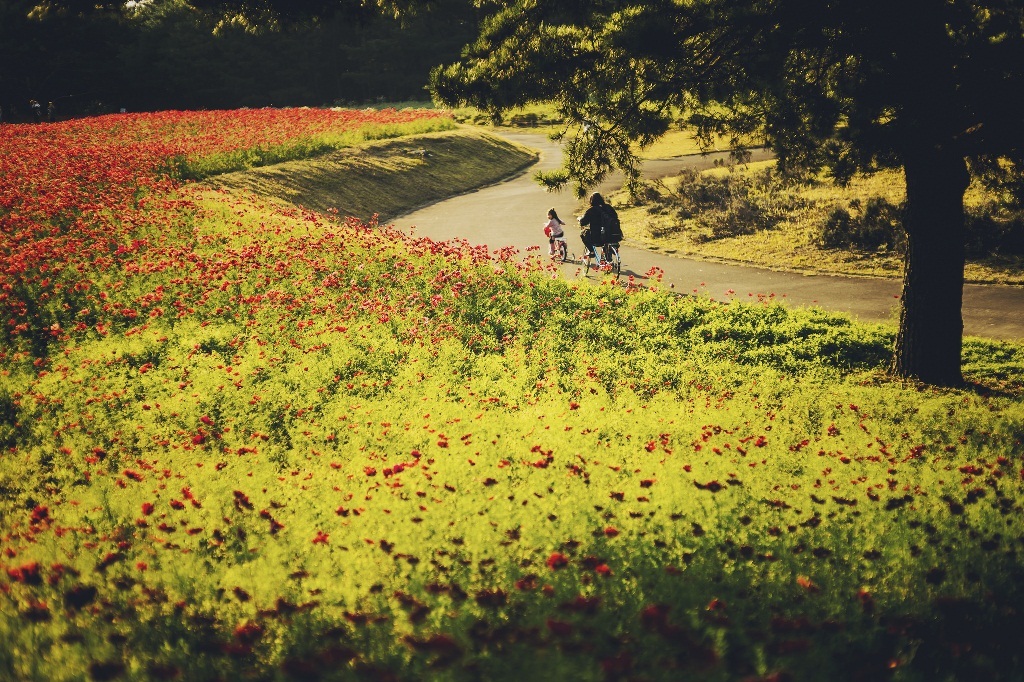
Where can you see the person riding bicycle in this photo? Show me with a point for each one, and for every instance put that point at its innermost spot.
(599, 225)
(553, 230)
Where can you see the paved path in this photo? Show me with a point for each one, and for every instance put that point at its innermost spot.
(512, 213)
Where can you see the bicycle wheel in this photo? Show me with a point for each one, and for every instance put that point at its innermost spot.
(563, 251)
(615, 261)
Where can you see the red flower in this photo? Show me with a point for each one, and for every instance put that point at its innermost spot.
(655, 616)
(527, 582)
(26, 573)
(806, 583)
(710, 486)
(40, 515)
(557, 560)
(248, 633)
(867, 602)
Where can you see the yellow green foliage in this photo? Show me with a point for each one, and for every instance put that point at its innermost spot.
(267, 443)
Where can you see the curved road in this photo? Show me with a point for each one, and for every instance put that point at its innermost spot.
(512, 213)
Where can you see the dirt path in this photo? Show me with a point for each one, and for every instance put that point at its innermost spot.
(511, 214)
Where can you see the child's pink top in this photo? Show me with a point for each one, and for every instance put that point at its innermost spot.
(553, 228)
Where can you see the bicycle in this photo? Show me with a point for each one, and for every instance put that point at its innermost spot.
(561, 249)
(609, 260)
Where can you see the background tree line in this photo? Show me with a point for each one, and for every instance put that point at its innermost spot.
(174, 54)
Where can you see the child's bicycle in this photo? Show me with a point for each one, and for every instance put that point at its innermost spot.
(607, 260)
(561, 249)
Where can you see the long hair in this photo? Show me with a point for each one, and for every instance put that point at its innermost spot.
(553, 214)
(596, 199)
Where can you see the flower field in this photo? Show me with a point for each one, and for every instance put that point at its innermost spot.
(245, 442)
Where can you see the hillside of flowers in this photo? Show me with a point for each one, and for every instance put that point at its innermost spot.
(245, 442)
(82, 196)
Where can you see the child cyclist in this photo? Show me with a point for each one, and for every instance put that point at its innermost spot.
(553, 230)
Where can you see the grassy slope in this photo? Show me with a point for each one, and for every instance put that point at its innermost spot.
(374, 470)
(387, 178)
(370, 458)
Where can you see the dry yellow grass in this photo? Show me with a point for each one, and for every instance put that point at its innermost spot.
(387, 178)
(793, 243)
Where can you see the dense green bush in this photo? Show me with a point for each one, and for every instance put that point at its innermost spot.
(878, 225)
(988, 230)
(994, 231)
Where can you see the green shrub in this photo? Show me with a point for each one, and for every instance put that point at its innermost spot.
(991, 231)
(733, 204)
(878, 225)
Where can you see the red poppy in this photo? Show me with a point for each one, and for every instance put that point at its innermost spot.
(557, 560)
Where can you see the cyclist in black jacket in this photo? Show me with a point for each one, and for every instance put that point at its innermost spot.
(592, 225)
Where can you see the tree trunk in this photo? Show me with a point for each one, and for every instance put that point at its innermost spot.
(930, 339)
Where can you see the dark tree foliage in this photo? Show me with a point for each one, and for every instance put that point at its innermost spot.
(288, 11)
(167, 54)
(263, 13)
(849, 85)
(51, 55)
